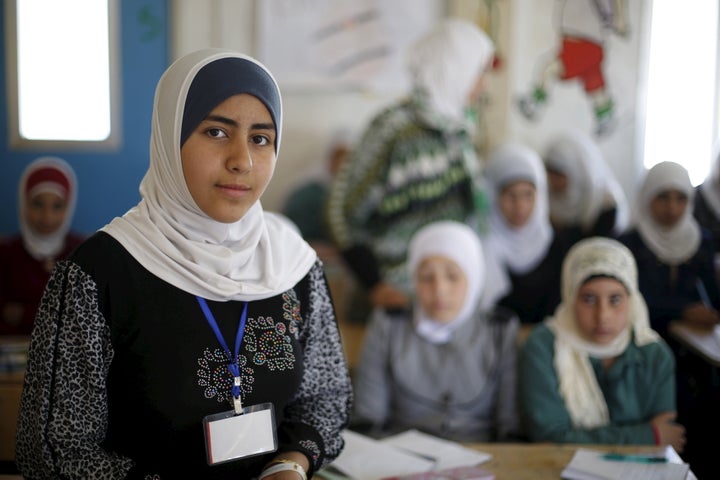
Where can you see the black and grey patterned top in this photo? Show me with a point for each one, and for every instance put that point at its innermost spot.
(124, 366)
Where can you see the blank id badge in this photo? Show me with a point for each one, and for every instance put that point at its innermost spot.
(229, 436)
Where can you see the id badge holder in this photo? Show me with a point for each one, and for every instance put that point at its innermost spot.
(229, 436)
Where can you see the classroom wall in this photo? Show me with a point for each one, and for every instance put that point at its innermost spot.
(523, 31)
(107, 181)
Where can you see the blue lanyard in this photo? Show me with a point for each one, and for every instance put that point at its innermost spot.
(233, 364)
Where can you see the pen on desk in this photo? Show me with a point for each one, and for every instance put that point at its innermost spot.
(702, 291)
(621, 457)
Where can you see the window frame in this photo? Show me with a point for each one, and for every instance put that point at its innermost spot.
(15, 140)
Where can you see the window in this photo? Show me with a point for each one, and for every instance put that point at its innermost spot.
(62, 74)
(681, 122)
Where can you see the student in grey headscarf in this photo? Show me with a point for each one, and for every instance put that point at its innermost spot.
(446, 367)
(595, 372)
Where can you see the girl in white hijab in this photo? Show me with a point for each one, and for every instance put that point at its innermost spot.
(595, 372)
(523, 252)
(47, 196)
(674, 254)
(403, 378)
(584, 195)
(192, 304)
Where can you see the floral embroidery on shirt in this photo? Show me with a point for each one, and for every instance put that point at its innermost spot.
(291, 310)
(215, 377)
(268, 344)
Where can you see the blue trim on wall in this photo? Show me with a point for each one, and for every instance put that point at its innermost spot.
(107, 182)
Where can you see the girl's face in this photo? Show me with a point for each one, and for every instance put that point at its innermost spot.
(668, 207)
(601, 310)
(45, 212)
(557, 182)
(441, 287)
(517, 202)
(229, 158)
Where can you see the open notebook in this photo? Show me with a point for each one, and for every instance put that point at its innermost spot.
(407, 453)
(595, 465)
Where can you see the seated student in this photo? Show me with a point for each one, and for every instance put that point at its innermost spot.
(585, 198)
(677, 278)
(707, 202)
(596, 372)
(524, 254)
(447, 367)
(674, 254)
(47, 193)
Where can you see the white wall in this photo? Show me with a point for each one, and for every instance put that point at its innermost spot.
(524, 31)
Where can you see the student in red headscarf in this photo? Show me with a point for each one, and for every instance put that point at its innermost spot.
(46, 203)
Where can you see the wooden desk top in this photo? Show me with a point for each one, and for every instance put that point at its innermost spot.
(539, 461)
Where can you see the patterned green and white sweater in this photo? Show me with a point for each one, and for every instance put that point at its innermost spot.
(410, 168)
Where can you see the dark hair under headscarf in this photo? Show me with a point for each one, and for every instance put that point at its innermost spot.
(220, 80)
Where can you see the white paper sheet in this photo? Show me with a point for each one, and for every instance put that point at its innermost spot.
(447, 454)
(364, 458)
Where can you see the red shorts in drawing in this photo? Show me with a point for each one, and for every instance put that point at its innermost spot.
(582, 59)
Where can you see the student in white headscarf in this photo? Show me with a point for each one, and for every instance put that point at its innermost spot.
(595, 372)
(193, 304)
(446, 367)
(47, 196)
(415, 163)
(674, 254)
(585, 198)
(707, 202)
(675, 258)
(524, 253)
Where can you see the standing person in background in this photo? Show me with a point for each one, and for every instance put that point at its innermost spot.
(46, 202)
(595, 372)
(707, 203)
(677, 278)
(447, 366)
(585, 198)
(415, 164)
(524, 253)
(193, 305)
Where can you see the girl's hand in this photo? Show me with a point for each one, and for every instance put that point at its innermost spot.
(669, 432)
(700, 316)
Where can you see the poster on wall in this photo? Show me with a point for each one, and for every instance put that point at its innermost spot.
(341, 44)
(580, 55)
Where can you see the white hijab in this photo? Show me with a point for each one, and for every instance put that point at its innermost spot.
(710, 189)
(42, 174)
(597, 256)
(446, 62)
(459, 243)
(591, 184)
(254, 258)
(509, 248)
(680, 242)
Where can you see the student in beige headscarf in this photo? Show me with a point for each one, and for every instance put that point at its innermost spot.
(595, 372)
